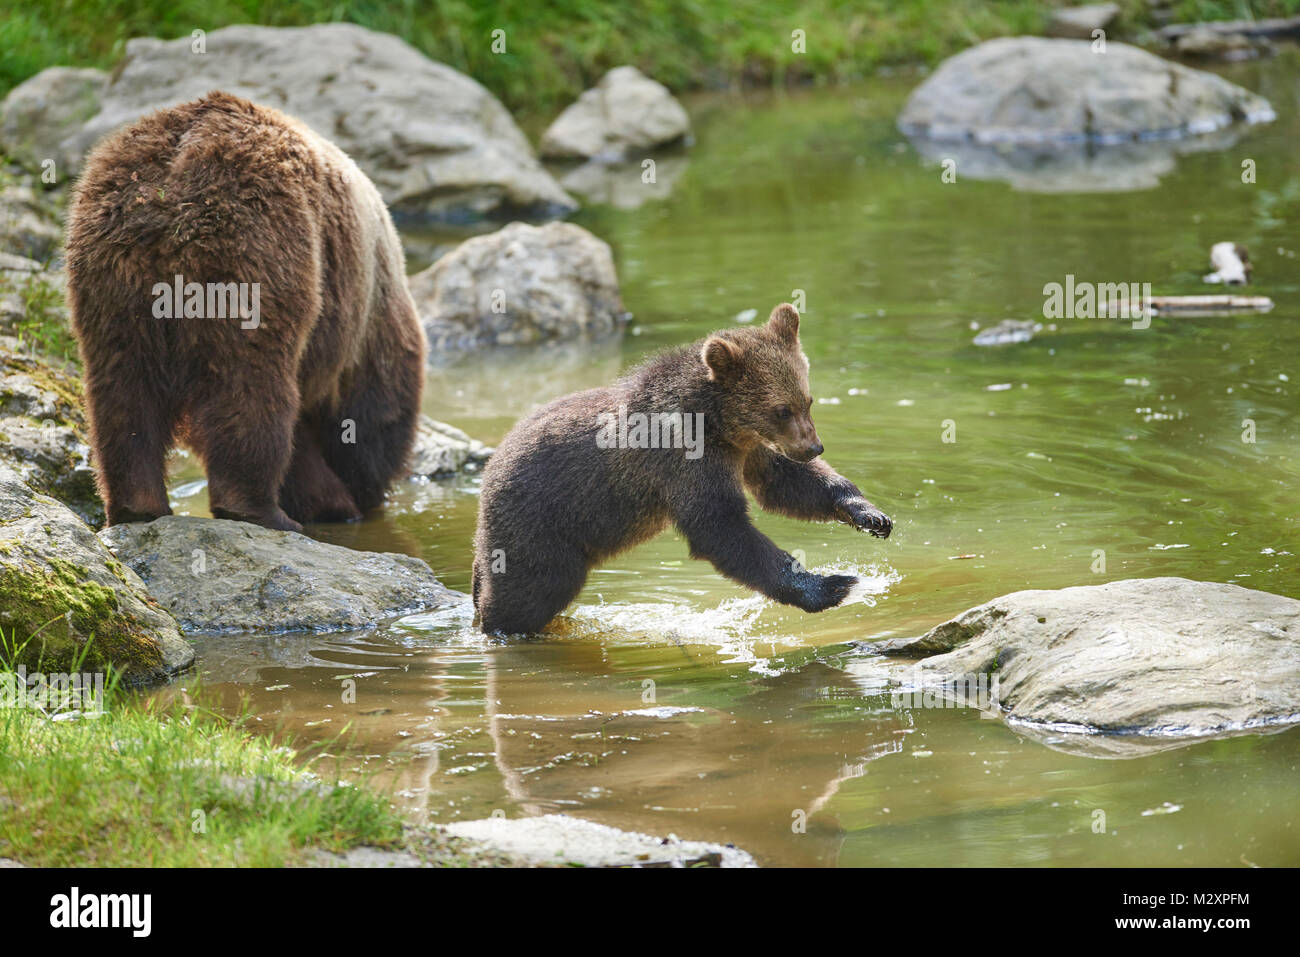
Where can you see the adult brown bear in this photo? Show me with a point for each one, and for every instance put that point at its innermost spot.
(236, 285)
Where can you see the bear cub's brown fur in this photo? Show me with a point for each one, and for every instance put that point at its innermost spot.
(559, 497)
(303, 407)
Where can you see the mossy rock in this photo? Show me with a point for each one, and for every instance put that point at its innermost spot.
(45, 432)
(66, 603)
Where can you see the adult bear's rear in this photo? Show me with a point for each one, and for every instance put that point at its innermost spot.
(307, 407)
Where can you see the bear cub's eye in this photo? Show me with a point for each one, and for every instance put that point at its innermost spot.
(784, 413)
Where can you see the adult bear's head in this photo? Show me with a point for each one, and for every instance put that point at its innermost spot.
(762, 376)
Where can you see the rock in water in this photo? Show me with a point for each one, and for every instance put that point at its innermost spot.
(560, 840)
(61, 585)
(625, 114)
(1031, 90)
(436, 143)
(442, 450)
(1078, 23)
(1007, 332)
(220, 576)
(521, 284)
(1160, 657)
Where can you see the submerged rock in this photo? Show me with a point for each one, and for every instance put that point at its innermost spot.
(442, 450)
(1031, 90)
(558, 840)
(61, 589)
(520, 285)
(43, 432)
(625, 185)
(436, 143)
(1007, 332)
(1158, 657)
(218, 576)
(625, 114)
(1075, 167)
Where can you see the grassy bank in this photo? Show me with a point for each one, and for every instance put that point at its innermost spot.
(555, 50)
(146, 784)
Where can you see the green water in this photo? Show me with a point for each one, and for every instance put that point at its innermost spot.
(1093, 442)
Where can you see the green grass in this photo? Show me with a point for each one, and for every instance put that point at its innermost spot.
(143, 783)
(44, 325)
(556, 49)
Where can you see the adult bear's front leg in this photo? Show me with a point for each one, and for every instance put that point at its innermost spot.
(812, 491)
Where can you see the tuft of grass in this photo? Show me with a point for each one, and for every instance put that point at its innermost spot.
(142, 783)
(44, 324)
(557, 49)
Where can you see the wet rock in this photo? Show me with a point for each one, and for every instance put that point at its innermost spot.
(1160, 657)
(43, 431)
(1206, 44)
(40, 113)
(1007, 332)
(520, 285)
(557, 840)
(59, 586)
(218, 576)
(624, 115)
(1072, 167)
(625, 185)
(29, 225)
(437, 144)
(1031, 90)
(442, 450)
(1078, 23)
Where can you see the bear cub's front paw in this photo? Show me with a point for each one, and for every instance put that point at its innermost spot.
(865, 517)
(820, 592)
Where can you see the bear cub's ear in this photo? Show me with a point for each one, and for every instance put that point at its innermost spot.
(784, 321)
(722, 358)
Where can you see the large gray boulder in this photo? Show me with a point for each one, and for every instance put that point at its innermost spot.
(436, 143)
(1159, 657)
(520, 285)
(625, 115)
(61, 589)
(48, 108)
(217, 576)
(43, 431)
(1031, 90)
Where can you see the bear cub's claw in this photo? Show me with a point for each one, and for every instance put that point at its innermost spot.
(865, 517)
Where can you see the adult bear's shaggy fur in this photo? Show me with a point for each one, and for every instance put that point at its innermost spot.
(313, 411)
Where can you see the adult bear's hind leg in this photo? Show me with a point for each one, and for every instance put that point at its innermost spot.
(131, 430)
(243, 428)
(311, 492)
(369, 446)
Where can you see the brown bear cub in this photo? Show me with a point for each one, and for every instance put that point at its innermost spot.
(236, 285)
(677, 440)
